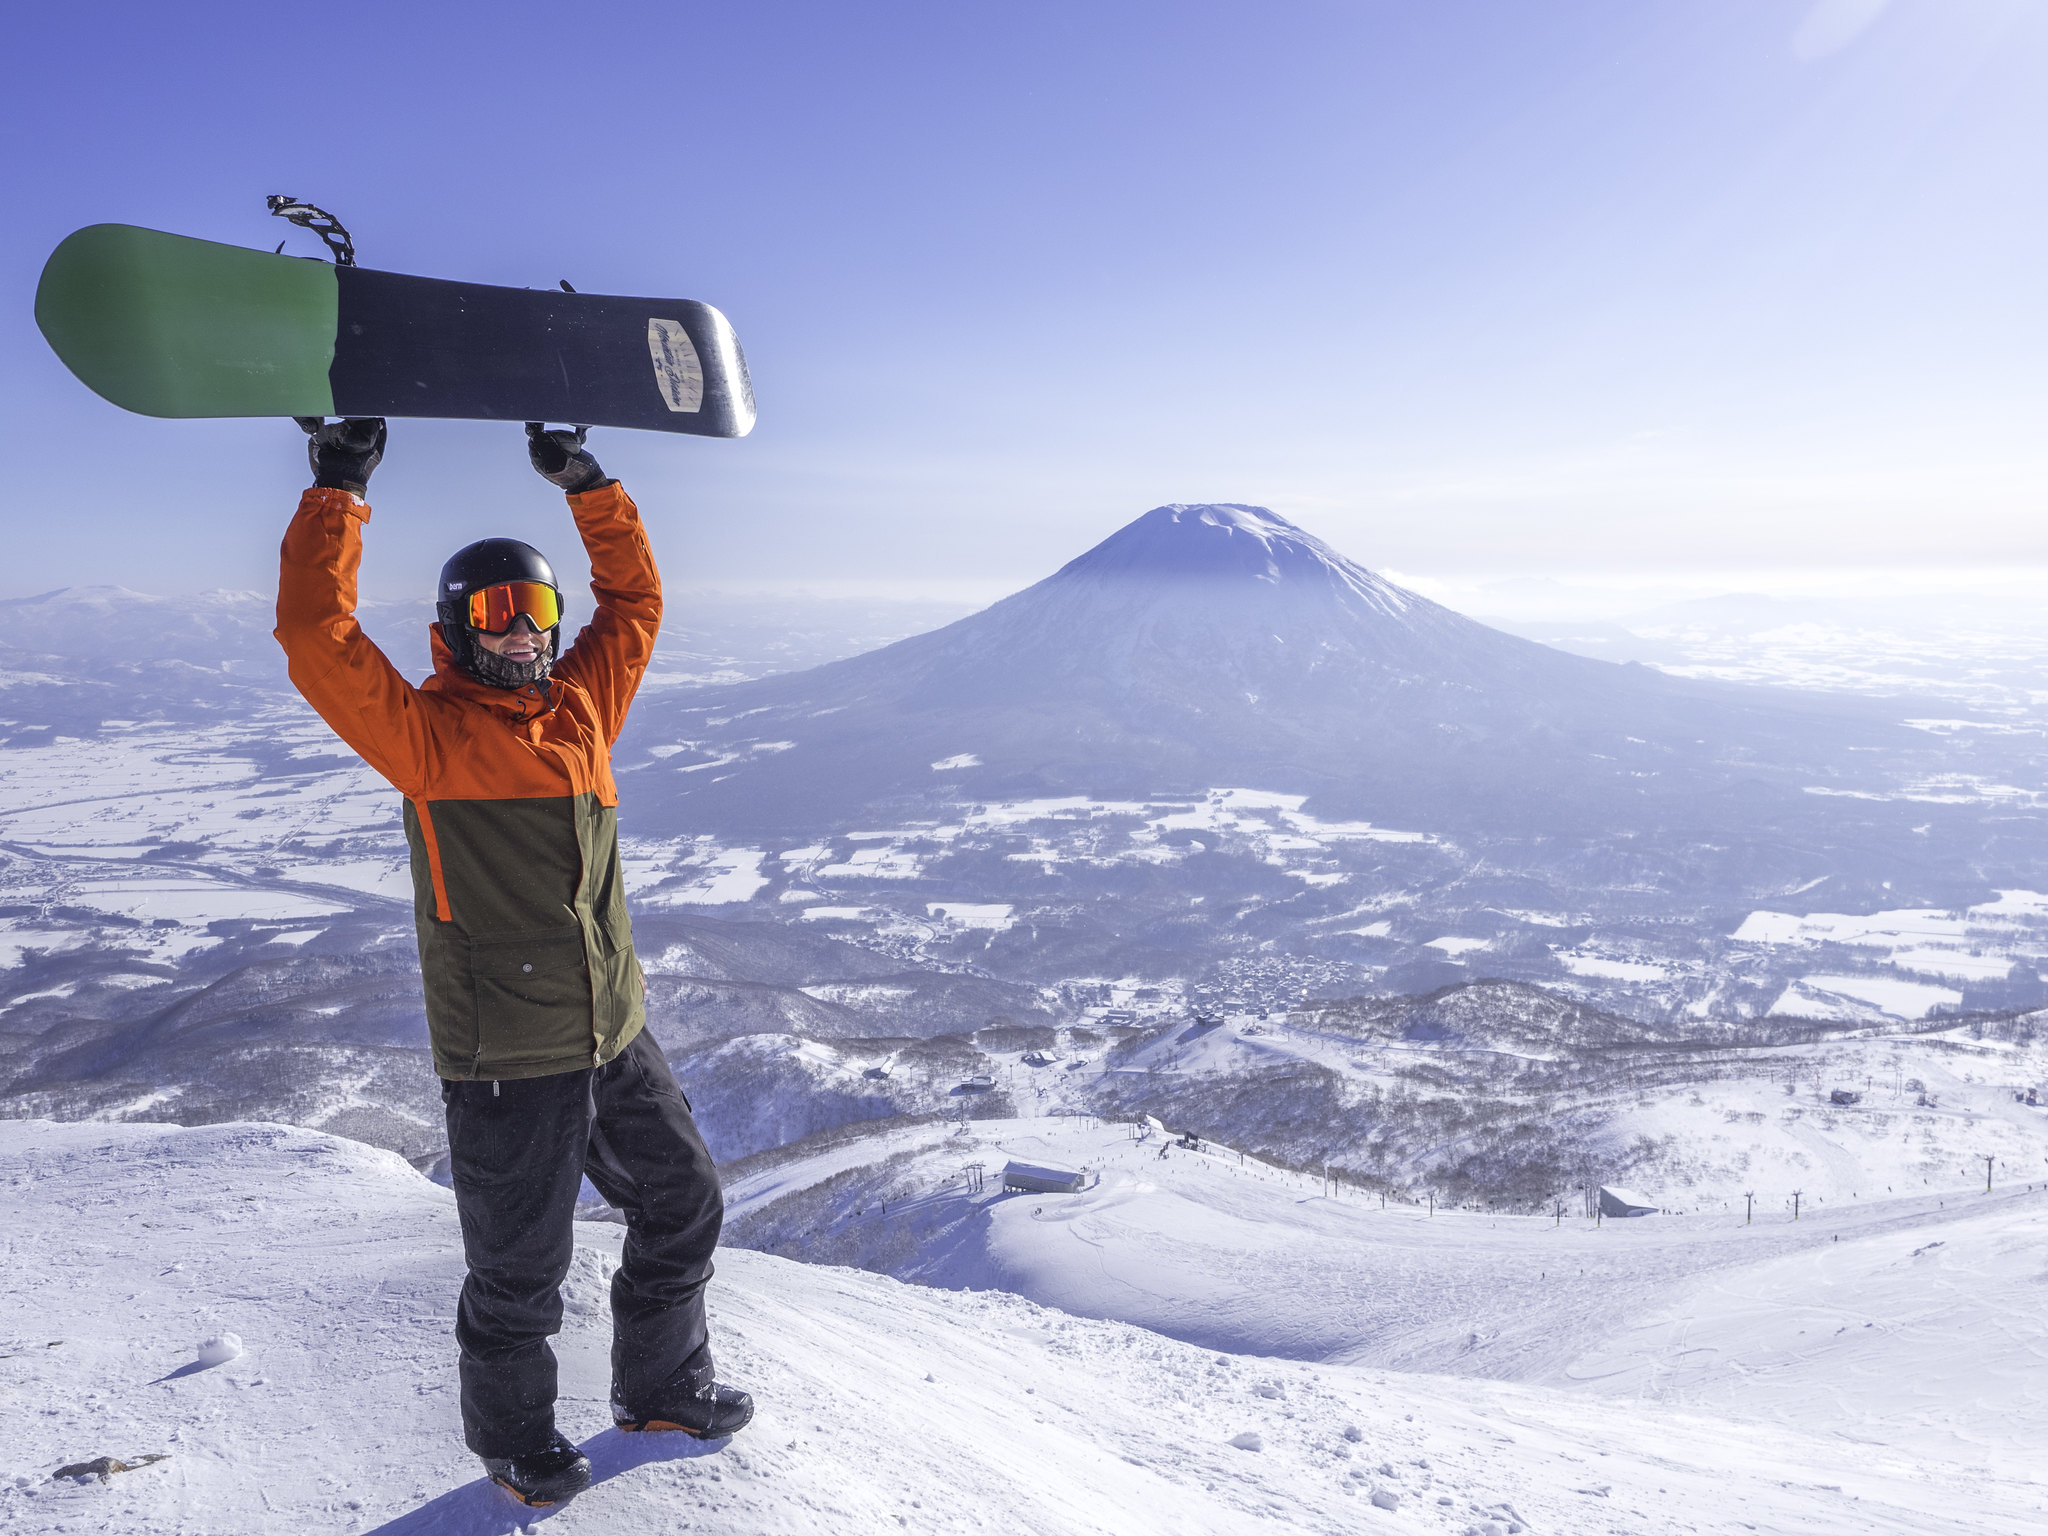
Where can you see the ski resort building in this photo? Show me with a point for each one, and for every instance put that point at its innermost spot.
(1036, 1180)
(1624, 1202)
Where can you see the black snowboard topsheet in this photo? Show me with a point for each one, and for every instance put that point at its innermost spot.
(422, 346)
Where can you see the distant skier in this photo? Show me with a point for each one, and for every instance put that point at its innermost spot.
(535, 1002)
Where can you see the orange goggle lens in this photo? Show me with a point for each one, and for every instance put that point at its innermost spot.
(493, 609)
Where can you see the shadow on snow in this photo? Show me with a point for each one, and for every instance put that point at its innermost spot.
(482, 1508)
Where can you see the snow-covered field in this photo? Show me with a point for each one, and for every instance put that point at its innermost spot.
(144, 838)
(890, 1407)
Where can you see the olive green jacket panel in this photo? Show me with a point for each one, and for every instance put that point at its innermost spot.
(533, 972)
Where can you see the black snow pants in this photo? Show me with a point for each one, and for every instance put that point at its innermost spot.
(518, 1151)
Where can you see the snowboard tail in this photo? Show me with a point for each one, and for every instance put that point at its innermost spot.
(164, 325)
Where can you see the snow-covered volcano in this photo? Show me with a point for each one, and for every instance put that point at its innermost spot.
(1220, 644)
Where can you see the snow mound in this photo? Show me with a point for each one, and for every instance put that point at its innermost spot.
(219, 1350)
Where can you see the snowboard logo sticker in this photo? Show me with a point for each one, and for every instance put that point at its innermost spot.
(677, 372)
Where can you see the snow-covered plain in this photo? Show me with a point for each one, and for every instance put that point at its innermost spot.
(882, 1406)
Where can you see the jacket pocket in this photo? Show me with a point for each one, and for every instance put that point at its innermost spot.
(620, 989)
(532, 1000)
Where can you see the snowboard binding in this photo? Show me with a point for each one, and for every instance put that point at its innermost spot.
(338, 241)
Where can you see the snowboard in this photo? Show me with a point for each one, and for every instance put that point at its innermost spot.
(165, 325)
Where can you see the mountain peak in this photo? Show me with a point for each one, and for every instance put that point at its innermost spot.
(1229, 544)
(1230, 516)
(1215, 538)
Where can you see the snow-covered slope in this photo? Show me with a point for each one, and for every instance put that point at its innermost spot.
(1700, 1310)
(883, 1407)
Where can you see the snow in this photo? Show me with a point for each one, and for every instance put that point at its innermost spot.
(1876, 929)
(192, 900)
(713, 876)
(1580, 964)
(957, 760)
(387, 877)
(872, 864)
(883, 993)
(1819, 997)
(63, 989)
(1700, 1310)
(1918, 1338)
(770, 1184)
(1456, 946)
(180, 827)
(15, 942)
(994, 916)
(1064, 807)
(1353, 831)
(1953, 964)
(2014, 904)
(885, 1406)
(185, 784)
(1973, 945)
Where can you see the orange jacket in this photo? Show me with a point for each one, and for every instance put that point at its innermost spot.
(525, 947)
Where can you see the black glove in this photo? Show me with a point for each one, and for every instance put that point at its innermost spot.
(343, 452)
(560, 457)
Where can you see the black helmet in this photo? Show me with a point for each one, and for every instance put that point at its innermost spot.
(486, 563)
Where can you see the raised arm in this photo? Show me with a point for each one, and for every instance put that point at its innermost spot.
(611, 652)
(610, 655)
(347, 680)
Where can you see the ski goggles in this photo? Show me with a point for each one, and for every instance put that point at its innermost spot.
(494, 609)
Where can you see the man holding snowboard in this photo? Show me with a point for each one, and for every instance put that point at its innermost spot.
(534, 998)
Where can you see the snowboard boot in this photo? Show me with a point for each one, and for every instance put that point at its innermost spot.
(544, 1478)
(709, 1415)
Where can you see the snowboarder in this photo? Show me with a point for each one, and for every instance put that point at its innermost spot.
(535, 1002)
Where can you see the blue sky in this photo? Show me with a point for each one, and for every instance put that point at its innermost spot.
(1466, 288)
